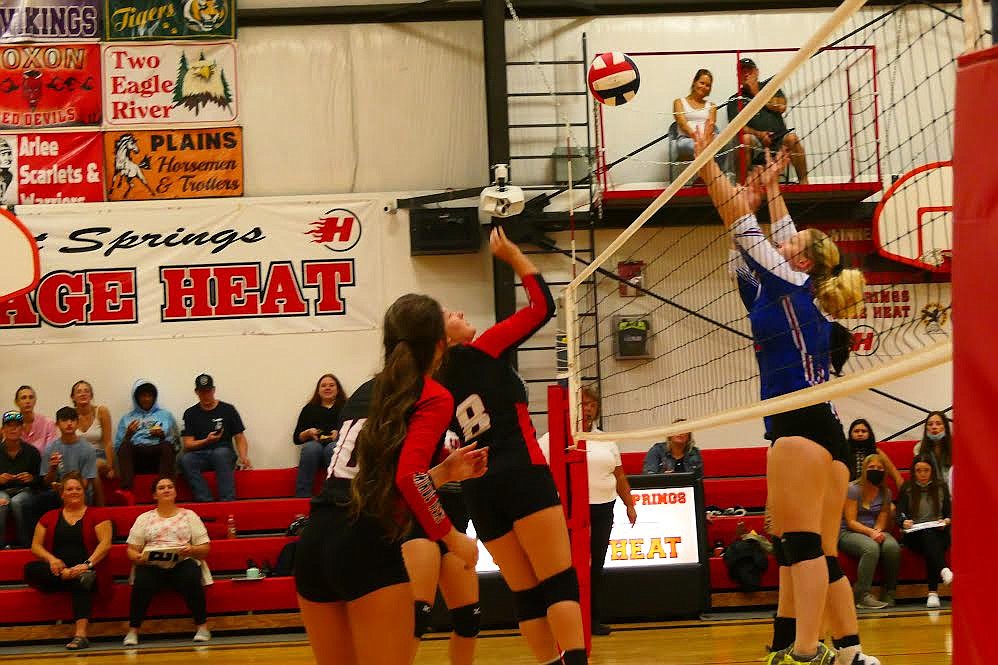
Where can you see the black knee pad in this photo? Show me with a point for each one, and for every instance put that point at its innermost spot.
(423, 611)
(779, 553)
(560, 587)
(834, 569)
(529, 604)
(801, 546)
(466, 621)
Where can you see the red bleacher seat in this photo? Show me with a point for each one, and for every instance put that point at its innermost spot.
(734, 462)
(750, 493)
(254, 484)
(632, 462)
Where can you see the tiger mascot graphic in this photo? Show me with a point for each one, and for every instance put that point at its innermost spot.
(205, 15)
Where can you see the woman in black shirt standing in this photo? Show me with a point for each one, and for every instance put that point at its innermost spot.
(317, 430)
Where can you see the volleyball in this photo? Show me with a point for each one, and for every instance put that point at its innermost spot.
(613, 78)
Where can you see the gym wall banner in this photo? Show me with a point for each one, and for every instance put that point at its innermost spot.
(174, 164)
(170, 84)
(52, 167)
(49, 85)
(49, 20)
(152, 270)
(140, 20)
(664, 535)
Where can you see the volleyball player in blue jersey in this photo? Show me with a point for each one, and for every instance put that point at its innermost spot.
(798, 282)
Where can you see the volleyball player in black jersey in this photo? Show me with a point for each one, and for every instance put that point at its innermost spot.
(353, 589)
(515, 507)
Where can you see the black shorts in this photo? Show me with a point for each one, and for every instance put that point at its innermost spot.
(496, 501)
(817, 423)
(457, 513)
(338, 559)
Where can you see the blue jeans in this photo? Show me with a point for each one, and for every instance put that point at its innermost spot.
(222, 461)
(313, 454)
(17, 505)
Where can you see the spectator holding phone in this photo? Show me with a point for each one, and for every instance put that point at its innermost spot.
(146, 438)
(317, 430)
(766, 129)
(214, 439)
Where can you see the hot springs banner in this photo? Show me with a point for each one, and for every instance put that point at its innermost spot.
(50, 85)
(170, 84)
(139, 20)
(51, 168)
(174, 164)
(49, 20)
(211, 268)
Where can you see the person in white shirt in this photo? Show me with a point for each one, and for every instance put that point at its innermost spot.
(692, 113)
(607, 481)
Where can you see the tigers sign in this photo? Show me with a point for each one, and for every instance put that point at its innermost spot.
(142, 20)
(174, 164)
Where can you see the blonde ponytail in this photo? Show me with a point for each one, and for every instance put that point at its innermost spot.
(839, 291)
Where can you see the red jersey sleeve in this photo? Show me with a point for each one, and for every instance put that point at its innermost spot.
(516, 329)
(426, 426)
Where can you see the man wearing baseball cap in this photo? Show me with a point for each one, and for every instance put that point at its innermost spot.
(766, 129)
(19, 464)
(213, 439)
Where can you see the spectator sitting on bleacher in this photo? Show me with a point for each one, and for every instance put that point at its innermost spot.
(94, 427)
(766, 129)
(925, 500)
(39, 430)
(317, 430)
(70, 544)
(168, 546)
(66, 454)
(862, 444)
(937, 444)
(677, 454)
(866, 519)
(19, 464)
(211, 429)
(692, 112)
(146, 439)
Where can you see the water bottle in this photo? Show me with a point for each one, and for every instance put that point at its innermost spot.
(230, 526)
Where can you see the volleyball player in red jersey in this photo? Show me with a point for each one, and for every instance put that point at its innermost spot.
(515, 507)
(353, 589)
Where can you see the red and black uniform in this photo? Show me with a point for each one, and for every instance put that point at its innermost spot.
(491, 408)
(341, 559)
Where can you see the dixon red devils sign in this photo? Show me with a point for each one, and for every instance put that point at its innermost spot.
(50, 85)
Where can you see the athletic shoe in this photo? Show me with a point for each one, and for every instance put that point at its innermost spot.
(203, 635)
(888, 598)
(868, 602)
(601, 629)
(131, 639)
(854, 656)
(947, 575)
(932, 602)
(825, 656)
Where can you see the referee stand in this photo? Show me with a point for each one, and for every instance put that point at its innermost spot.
(568, 466)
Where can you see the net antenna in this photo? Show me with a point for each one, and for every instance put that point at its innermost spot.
(859, 98)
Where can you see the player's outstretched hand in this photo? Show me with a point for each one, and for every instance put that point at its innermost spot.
(463, 546)
(502, 247)
(466, 462)
(702, 137)
(770, 176)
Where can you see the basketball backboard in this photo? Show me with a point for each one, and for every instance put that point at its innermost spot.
(19, 256)
(913, 222)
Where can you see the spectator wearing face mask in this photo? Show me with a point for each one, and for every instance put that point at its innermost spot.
(865, 520)
(863, 443)
(937, 444)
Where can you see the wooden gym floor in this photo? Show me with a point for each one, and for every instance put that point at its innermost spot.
(903, 639)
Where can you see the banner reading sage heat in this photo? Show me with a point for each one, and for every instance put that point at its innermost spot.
(49, 20)
(174, 164)
(170, 84)
(207, 268)
(50, 85)
(140, 20)
(51, 168)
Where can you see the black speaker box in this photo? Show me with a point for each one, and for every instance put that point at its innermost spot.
(444, 231)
